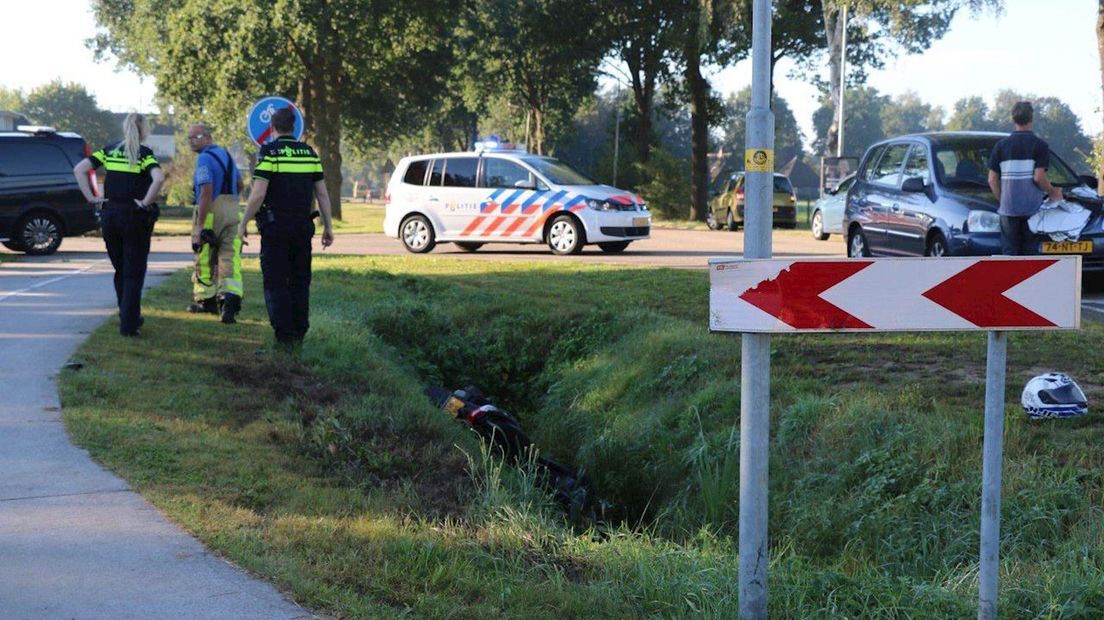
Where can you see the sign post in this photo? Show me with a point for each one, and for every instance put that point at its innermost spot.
(995, 294)
(755, 348)
(992, 455)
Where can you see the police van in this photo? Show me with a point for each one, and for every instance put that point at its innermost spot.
(499, 194)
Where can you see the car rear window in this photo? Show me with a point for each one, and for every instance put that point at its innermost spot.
(25, 159)
(782, 184)
(460, 171)
(416, 172)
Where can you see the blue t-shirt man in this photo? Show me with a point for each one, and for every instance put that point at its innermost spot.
(216, 167)
(1017, 177)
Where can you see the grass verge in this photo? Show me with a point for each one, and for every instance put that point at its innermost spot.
(333, 477)
(356, 217)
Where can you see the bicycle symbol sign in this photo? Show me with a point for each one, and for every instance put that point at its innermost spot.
(259, 124)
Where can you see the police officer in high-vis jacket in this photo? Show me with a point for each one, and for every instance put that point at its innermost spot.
(133, 179)
(217, 279)
(286, 181)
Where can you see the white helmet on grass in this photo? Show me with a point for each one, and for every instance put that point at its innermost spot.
(1053, 395)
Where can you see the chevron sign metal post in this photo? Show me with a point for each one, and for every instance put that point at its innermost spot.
(994, 294)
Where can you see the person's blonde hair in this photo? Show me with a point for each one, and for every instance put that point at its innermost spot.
(135, 131)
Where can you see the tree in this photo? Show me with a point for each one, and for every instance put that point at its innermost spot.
(865, 111)
(1055, 122)
(970, 114)
(539, 54)
(11, 99)
(709, 31)
(366, 67)
(69, 107)
(1097, 162)
(788, 138)
(907, 113)
(643, 32)
(880, 29)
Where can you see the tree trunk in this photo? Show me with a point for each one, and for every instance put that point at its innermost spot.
(699, 132)
(538, 131)
(643, 63)
(1100, 50)
(323, 120)
(833, 33)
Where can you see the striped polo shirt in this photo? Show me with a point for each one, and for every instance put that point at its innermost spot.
(1015, 159)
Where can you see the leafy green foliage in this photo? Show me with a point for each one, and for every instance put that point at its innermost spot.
(541, 55)
(70, 107)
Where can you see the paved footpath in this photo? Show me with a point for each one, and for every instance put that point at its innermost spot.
(75, 541)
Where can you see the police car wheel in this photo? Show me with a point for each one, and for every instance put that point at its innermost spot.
(614, 246)
(565, 236)
(417, 234)
(468, 246)
(39, 233)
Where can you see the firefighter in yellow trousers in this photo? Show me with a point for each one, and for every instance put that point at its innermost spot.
(217, 279)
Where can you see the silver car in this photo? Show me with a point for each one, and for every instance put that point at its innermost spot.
(827, 218)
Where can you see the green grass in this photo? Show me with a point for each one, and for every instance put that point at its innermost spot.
(331, 475)
(357, 217)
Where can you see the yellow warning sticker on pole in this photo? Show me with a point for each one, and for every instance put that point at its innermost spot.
(759, 160)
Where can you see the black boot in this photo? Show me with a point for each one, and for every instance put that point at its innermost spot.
(229, 305)
(204, 306)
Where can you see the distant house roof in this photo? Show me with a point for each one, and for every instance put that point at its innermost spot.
(10, 120)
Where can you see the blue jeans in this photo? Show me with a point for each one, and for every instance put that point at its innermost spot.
(1016, 238)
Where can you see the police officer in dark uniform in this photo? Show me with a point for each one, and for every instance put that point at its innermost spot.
(133, 179)
(287, 179)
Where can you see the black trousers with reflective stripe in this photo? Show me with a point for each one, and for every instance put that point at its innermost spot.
(286, 271)
(126, 232)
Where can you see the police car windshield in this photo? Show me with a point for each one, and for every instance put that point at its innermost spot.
(557, 172)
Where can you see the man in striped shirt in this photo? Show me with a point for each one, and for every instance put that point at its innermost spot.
(1017, 176)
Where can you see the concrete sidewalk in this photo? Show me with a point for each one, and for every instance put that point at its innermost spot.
(75, 541)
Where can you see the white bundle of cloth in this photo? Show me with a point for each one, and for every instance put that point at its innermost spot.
(1062, 220)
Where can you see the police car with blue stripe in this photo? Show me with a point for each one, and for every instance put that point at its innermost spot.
(499, 194)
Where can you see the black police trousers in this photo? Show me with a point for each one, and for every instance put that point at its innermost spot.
(286, 272)
(126, 232)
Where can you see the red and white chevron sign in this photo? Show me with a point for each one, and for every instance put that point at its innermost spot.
(895, 294)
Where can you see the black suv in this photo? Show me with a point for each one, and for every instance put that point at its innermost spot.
(40, 201)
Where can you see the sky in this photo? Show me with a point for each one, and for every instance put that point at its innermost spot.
(1046, 48)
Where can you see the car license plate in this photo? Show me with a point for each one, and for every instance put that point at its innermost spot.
(640, 221)
(1067, 247)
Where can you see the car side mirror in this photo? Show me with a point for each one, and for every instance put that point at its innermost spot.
(1087, 179)
(913, 184)
(524, 185)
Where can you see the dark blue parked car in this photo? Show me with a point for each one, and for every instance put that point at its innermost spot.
(928, 195)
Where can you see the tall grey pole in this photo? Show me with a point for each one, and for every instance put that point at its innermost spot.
(617, 137)
(843, 83)
(755, 348)
(992, 456)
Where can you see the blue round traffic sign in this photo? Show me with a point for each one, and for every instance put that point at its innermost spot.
(259, 125)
